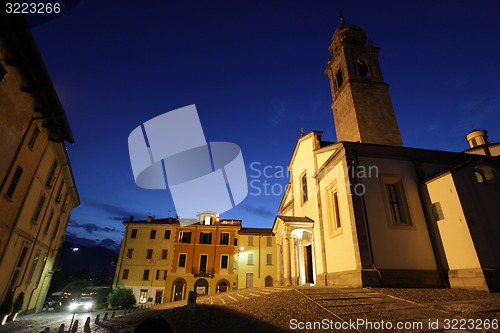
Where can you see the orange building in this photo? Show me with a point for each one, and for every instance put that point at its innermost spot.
(203, 257)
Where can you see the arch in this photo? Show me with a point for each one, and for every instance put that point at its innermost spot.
(178, 289)
(269, 281)
(223, 286)
(362, 68)
(201, 287)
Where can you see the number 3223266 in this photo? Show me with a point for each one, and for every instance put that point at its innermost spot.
(32, 8)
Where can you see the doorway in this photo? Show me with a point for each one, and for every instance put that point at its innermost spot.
(309, 265)
(158, 297)
(249, 280)
(269, 281)
(203, 263)
(179, 290)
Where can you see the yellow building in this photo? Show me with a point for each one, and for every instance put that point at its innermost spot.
(37, 189)
(366, 211)
(145, 256)
(203, 257)
(257, 258)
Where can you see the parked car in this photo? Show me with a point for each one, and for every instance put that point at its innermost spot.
(52, 303)
(83, 304)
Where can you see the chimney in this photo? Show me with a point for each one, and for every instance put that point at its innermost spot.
(150, 218)
(131, 218)
(477, 138)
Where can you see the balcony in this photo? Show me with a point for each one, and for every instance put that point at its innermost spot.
(203, 272)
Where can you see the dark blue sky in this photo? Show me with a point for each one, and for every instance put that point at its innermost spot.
(254, 69)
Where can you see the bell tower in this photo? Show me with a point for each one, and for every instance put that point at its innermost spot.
(362, 107)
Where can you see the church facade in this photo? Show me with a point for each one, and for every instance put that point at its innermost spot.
(367, 211)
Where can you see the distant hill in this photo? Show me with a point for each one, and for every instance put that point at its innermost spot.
(95, 259)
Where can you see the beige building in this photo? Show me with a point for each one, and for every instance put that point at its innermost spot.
(36, 181)
(257, 260)
(145, 258)
(362, 211)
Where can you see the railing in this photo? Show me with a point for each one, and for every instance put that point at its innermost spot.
(203, 272)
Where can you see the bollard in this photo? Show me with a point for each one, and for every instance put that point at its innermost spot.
(61, 329)
(113, 314)
(75, 326)
(97, 318)
(192, 300)
(86, 327)
(105, 316)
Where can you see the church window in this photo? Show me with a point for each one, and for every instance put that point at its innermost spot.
(339, 77)
(362, 68)
(303, 181)
(396, 202)
(334, 221)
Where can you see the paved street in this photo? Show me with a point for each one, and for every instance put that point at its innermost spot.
(310, 309)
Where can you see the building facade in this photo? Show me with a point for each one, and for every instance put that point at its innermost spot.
(363, 211)
(144, 258)
(37, 187)
(203, 258)
(257, 265)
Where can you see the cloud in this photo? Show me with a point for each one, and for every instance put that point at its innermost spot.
(117, 213)
(91, 227)
(82, 241)
(260, 211)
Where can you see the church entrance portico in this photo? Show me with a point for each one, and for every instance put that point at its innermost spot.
(295, 250)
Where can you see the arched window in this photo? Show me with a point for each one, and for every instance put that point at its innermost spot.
(339, 77)
(362, 68)
(480, 177)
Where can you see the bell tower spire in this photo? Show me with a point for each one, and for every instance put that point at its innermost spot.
(362, 107)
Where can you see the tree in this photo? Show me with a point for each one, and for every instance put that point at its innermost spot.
(122, 297)
(78, 286)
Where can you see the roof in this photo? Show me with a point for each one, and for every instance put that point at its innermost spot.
(24, 54)
(256, 231)
(295, 219)
(167, 220)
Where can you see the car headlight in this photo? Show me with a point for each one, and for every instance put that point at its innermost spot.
(73, 305)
